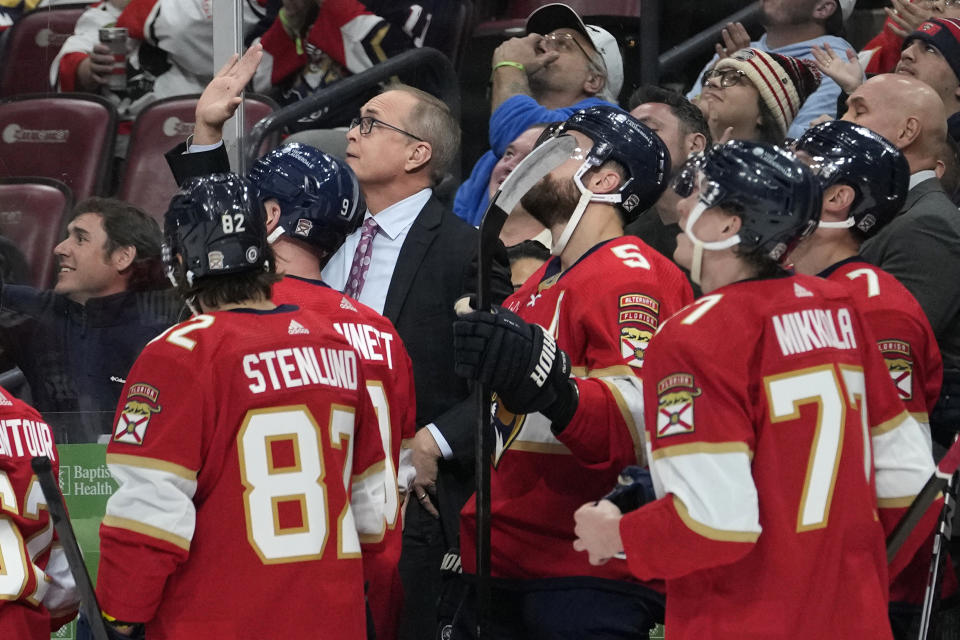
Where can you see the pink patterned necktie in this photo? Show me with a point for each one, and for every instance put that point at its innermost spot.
(361, 259)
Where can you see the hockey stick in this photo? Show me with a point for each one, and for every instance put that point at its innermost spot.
(931, 597)
(61, 523)
(934, 485)
(542, 160)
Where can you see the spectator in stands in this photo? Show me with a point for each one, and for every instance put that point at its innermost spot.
(76, 343)
(882, 54)
(754, 95)
(525, 258)
(410, 260)
(560, 66)
(793, 28)
(520, 226)
(169, 53)
(170, 49)
(931, 54)
(682, 127)
(921, 246)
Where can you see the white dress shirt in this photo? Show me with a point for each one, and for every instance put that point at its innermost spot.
(393, 224)
(921, 176)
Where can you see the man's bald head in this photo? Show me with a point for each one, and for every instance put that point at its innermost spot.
(905, 111)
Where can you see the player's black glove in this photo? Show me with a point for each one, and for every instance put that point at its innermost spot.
(519, 360)
(634, 489)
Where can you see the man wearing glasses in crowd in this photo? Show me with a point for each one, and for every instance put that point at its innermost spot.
(561, 66)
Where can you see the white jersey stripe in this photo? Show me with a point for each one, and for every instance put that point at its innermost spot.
(159, 501)
(715, 488)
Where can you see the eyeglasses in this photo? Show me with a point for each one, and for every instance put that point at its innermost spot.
(727, 77)
(564, 42)
(366, 126)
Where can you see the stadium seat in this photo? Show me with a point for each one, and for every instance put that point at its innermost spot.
(147, 181)
(68, 137)
(33, 212)
(32, 44)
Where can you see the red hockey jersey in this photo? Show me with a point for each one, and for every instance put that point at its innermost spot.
(910, 350)
(37, 592)
(602, 311)
(903, 333)
(389, 375)
(250, 467)
(774, 430)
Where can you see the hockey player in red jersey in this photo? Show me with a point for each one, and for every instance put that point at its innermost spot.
(589, 312)
(865, 180)
(773, 427)
(37, 592)
(246, 449)
(312, 201)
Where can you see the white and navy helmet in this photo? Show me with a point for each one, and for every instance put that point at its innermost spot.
(217, 226)
(319, 197)
(619, 136)
(777, 197)
(842, 152)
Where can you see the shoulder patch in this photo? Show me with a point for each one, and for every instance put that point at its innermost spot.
(140, 405)
(897, 355)
(676, 395)
(638, 316)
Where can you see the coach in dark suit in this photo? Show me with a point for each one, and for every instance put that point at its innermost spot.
(921, 247)
(410, 260)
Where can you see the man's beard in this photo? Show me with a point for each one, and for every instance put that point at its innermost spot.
(551, 202)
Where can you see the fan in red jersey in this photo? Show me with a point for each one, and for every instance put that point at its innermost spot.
(590, 311)
(37, 592)
(865, 180)
(773, 427)
(247, 452)
(312, 201)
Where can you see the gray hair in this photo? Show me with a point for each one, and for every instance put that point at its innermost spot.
(432, 120)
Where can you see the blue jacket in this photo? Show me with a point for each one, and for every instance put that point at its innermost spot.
(513, 117)
(76, 356)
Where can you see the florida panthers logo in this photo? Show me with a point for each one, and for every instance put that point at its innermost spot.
(675, 398)
(633, 342)
(132, 423)
(899, 361)
(638, 317)
(506, 428)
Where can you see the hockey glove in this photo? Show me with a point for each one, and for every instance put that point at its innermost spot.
(634, 489)
(519, 360)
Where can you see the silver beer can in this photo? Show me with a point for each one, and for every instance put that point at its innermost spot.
(116, 39)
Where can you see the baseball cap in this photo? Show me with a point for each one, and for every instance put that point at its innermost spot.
(551, 17)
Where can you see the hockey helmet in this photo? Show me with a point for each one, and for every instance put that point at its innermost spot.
(319, 197)
(842, 152)
(217, 226)
(777, 197)
(619, 136)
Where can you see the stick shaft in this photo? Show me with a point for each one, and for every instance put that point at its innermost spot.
(934, 485)
(68, 540)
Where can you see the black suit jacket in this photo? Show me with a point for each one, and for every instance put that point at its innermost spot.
(436, 266)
